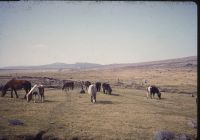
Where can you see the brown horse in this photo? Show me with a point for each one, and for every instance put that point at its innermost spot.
(68, 85)
(15, 85)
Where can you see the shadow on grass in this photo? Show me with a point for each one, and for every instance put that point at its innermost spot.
(157, 99)
(49, 101)
(114, 94)
(104, 102)
(162, 99)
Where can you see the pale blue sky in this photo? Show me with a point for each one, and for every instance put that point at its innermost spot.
(36, 33)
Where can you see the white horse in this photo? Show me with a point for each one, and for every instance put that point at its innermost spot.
(36, 90)
(92, 91)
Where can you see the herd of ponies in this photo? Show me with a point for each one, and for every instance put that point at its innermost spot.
(38, 89)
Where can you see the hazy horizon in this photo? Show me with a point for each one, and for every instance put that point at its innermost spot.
(44, 32)
(94, 63)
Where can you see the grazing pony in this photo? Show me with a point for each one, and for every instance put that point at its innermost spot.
(92, 91)
(152, 90)
(106, 88)
(16, 85)
(36, 90)
(98, 86)
(87, 84)
(68, 85)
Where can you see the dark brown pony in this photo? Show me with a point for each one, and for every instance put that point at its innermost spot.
(87, 84)
(16, 85)
(68, 85)
(98, 86)
(106, 88)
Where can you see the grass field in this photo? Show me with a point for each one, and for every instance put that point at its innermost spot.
(127, 114)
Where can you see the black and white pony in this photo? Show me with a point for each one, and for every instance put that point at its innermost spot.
(36, 90)
(152, 90)
(92, 91)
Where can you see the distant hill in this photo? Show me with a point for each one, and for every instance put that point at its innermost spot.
(184, 62)
(56, 66)
(170, 63)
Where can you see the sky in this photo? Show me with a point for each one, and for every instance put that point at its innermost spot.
(37, 33)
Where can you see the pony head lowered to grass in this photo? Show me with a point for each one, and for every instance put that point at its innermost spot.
(15, 85)
(152, 90)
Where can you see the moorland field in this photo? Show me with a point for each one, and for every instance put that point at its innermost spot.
(125, 114)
